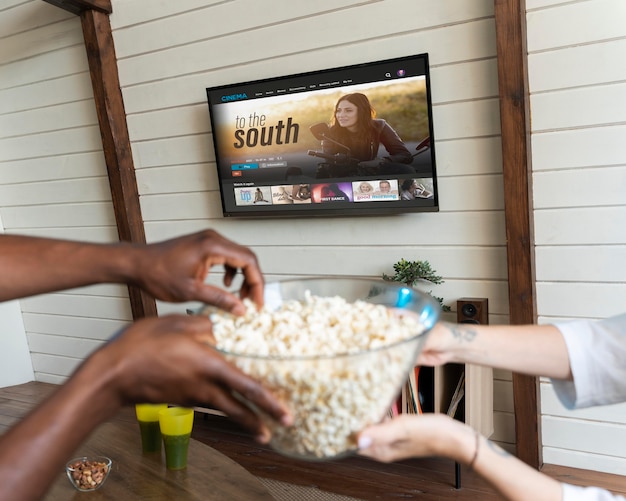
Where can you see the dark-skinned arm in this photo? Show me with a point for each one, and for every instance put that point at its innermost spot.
(173, 270)
(166, 359)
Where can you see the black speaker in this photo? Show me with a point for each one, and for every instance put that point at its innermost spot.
(472, 310)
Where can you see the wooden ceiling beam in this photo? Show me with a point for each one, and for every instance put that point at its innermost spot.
(510, 17)
(94, 15)
(79, 6)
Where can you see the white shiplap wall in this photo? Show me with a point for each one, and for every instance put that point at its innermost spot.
(167, 61)
(577, 79)
(15, 360)
(53, 178)
(169, 125)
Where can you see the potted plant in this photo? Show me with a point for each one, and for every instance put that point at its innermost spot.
(413, 272)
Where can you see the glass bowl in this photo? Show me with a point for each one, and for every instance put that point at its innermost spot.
(333, 392)
(88, 473)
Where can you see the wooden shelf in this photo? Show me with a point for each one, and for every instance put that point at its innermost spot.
(477, 409)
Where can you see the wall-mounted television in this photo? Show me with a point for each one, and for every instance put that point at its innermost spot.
(349, 141)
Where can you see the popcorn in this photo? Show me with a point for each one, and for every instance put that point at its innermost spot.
(337, 365)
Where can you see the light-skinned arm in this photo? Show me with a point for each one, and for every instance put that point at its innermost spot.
(439, 435)
(537, 350)
(528, 349)
(174, 270)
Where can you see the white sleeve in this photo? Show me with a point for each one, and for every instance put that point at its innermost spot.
(575, 493)
(597, 353)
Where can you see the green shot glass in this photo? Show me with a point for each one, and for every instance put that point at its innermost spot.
(148, 418)
(176, 424)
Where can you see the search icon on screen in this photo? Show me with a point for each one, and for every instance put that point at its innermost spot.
(388, 75)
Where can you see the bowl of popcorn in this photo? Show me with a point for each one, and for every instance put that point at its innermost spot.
(88, 473)
(336, 351)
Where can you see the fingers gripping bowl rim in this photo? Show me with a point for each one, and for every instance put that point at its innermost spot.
(334, 387)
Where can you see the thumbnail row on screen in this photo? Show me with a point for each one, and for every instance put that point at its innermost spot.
(387, 190)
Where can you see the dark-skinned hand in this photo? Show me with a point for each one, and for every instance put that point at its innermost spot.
(171, 359)
(175, 270)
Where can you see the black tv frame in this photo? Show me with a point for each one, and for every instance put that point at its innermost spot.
(240, 176)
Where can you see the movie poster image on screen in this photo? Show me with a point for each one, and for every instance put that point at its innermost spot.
(291, 194)
(281, 195)
(270, 139)
(301, 193)
(385, 190)
(332, 193)
(416, 188)
(251, 195)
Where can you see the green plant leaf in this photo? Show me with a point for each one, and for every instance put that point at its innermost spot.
(413, 272)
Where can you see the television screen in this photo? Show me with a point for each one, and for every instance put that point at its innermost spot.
(355, 140)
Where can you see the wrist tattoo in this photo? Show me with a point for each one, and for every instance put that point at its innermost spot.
(463, 333)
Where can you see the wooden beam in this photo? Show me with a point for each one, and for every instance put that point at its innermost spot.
(115, 141)
(510, 18)
(79, 6)
(94, 15)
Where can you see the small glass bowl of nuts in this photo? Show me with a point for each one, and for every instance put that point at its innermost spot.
(336, 351)
(88, 473)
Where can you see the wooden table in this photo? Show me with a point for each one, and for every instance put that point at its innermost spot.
(209, 475)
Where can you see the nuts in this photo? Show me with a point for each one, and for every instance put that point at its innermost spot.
(337, 365)
(88, 474)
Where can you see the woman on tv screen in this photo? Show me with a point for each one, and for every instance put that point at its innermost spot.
(356, 133)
